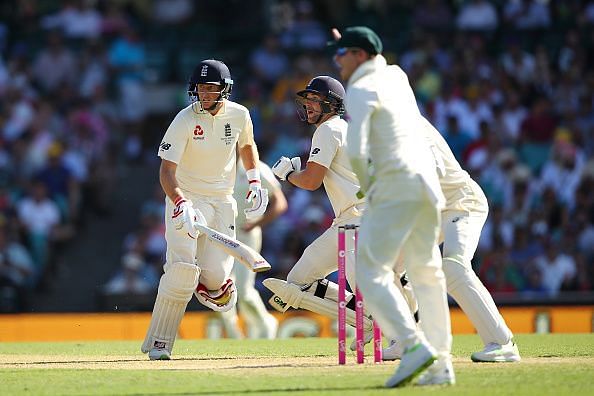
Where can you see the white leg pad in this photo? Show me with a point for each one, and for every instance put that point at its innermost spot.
(476, 301)
(175, 290)
(320, 297)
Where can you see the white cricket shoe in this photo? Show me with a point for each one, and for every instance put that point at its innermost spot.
(441, 372)
(392, 352)
(367, 337)
(498, 353)
(159, 354)
(415, 360)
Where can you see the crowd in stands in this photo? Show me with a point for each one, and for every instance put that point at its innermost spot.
(509, 84)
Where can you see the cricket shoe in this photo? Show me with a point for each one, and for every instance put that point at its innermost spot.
(494, 352)
(367, 337)
(441, 372)
(392, 352)
(159, 354)
(414, 361)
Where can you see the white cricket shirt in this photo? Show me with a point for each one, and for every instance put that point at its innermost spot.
(460, 191)
(204, 147)
(328, 148)
(383, 125)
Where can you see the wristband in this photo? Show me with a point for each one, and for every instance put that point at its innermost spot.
(253, 175)
(179, 200)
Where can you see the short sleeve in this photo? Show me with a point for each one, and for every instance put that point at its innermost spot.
(246, 137)
(324, 144)
(175, 140)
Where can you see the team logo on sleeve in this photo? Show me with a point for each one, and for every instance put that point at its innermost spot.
(198, 133)
(164, 146)
(315, 151)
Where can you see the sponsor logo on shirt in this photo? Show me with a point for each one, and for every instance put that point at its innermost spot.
(164, 146)
(315, 151)
(198, 133)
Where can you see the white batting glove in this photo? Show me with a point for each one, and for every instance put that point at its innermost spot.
(184, 216)
(285, 166)
(257, 195)
(296, 161)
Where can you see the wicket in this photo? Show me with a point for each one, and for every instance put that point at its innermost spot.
(359, 312)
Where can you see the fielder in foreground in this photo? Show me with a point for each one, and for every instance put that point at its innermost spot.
(462, 219)
(403, 211)
(198, 153)
(260, 323)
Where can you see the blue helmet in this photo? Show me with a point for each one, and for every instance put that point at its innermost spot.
(331, 91)
(210, 71)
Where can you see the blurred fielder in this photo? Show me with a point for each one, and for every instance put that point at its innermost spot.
(402, 218)
(260, 323)
(197, 173)
(462, 219)
(321, 104)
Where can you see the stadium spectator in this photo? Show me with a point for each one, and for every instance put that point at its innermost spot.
(477, 15)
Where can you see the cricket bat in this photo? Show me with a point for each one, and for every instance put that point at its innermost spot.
(242, 252)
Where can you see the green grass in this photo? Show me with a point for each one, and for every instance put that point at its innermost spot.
(559, 364)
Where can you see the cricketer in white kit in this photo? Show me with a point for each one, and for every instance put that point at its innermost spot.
(403, 207)
(321, 104)
(462, 220)
(260, 323)
(197, 173)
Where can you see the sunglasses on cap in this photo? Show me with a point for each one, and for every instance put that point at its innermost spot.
(343, 50)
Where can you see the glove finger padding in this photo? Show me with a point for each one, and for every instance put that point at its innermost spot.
(198, 219)
(283, 167)
(259, 204)
(184, 216)
(296, 162)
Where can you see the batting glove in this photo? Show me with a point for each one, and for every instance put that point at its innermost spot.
(184, 216)
(285, 166)
(256, 195)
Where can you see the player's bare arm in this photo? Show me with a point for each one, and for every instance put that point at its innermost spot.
(310, 178)
(168, 180)
(249, 156)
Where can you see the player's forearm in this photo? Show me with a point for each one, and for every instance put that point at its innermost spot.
(304, 180)
(169, 183)
(249, 156)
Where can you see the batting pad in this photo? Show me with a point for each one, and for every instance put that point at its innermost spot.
(175, 290)
(321, 297)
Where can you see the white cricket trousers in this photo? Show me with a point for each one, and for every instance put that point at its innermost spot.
(320, 258)
(215, 265)
(401, 218)
(460, 232)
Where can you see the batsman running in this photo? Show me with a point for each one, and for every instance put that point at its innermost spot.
(321, 104)
(197, 174)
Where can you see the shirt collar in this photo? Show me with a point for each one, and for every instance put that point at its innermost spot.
(367, 67)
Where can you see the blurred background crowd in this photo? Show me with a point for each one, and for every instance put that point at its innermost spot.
(88, 87)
